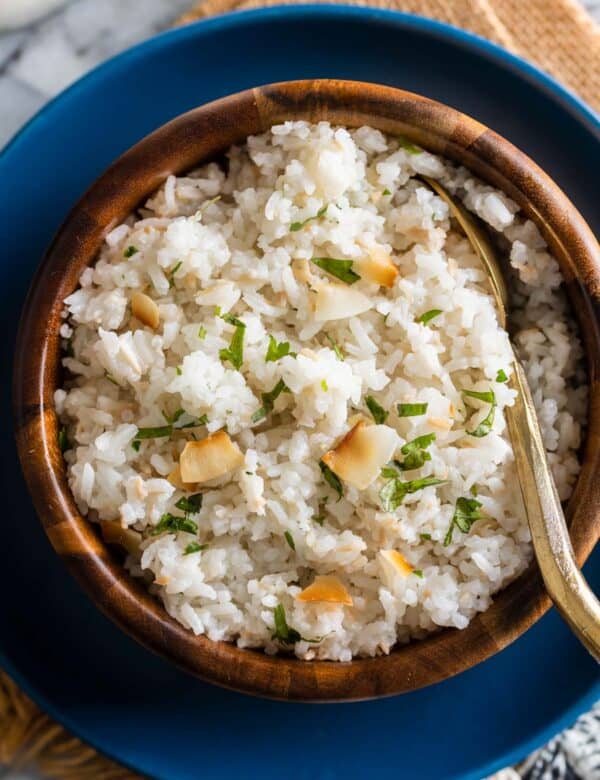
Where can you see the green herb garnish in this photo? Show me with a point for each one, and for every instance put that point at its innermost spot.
(319, 519)
(299, 225)
(386, 192)
(324, 385)
(277, 350)
(332, 479)
(194, 547)
(501, 376)
(202, 332)
(111, 379)
(283, 633)
(411, 410)
(190, 504)
(178, 370)
(428, 316)
(393, 492)
(425, 537)
(172, 274)
(485, 426)
(377, 412)
(136, 444)
(268, 400)
(341, 269)
(63, 441)
(160, 432)
(130, 251)
(418, 573)
(172, 418)
(235, 352)
(408, 146)
(172, 524)
(465, 514)
(335, 347)
(474, 490)
(290, 540)
(415, 451)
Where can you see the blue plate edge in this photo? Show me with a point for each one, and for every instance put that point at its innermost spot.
(569, 101)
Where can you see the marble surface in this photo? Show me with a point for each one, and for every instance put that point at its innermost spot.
(39, 61)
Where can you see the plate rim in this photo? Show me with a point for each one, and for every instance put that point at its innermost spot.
(566, 99)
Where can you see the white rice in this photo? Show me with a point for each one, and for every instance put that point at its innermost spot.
(239, 253)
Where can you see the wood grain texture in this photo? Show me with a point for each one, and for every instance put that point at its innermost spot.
(198, 136)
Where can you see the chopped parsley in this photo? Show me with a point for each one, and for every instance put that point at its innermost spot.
(284, 633)
(277, 350)
(178, 370)
(386, 192)
(268, 400)
(194, 547)
(377, 412)
(418, 573)
(136, 444)
(324, 385)
(425, 537)
(172, 524)
(190, 504)
(63, 441)
(485, 426)
(415, 451)
(235, 352)
(393, 492)
(428, 316)
(332, 479)
(341, 269)
(501, 376)
(408, 146)
(172, 418)
(202, 332)
(130, 251)
(290, 540)
(411, 410)
(474, 490)
(172, 273)
(319, 519)
(299, 225)
(335, 347)
(160, 432)
(465, 514)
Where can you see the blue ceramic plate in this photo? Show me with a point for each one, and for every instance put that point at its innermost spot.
(78, 666)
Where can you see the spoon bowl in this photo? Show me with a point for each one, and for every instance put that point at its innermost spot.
(199, 136)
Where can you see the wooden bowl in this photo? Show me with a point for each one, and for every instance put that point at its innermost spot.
(185, 142)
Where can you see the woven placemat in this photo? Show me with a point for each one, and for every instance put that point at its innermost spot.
(556, 35)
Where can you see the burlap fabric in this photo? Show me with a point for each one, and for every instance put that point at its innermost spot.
(556, 35)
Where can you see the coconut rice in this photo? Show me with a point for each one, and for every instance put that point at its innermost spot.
(303, 543)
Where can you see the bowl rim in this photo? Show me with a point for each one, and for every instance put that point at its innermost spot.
(76, 540)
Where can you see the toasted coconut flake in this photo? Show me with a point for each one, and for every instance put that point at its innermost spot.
(377, 266)
(114, 533)
(395, 563)
(338, 301)
(145, 310)
(362, 452)
(175, 479)
(328, 588)
(209, 458)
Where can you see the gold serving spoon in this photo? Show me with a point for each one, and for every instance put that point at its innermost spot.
(564, 582)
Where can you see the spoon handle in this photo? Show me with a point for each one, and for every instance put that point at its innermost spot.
(566, 585)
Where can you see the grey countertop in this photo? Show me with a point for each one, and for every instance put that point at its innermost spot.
(38, 62)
